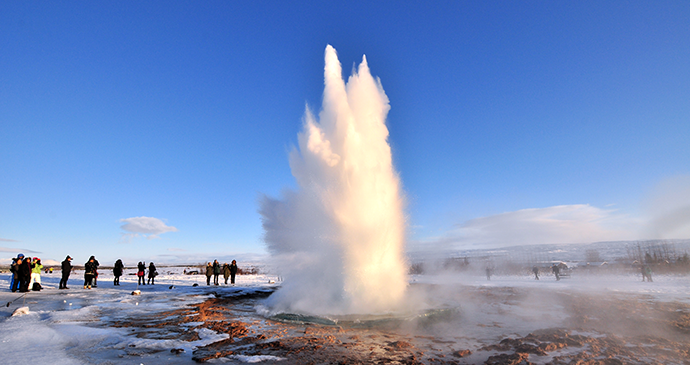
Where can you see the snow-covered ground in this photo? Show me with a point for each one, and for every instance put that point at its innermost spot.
(56, 330)
(61, 326)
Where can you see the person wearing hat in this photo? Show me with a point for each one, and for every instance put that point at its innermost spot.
(66, 270)
(36, 268)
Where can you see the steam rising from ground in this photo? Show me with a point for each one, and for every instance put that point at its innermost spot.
(338, 239)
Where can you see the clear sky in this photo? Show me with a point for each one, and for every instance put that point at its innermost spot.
(149, 130)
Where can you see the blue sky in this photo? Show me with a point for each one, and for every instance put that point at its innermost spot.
(510, 122)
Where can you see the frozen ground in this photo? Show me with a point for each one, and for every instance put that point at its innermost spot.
(63, 326)
(461, 319)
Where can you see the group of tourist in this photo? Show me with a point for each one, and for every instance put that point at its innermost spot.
(26, 273)
(141, 273)
(215, 269)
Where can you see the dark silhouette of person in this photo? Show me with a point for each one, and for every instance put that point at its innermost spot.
(556, 271)
(117, 271)
(141, 269)
(216, 271)
(66, 270)
(233, 271)
(535, 270)
(152, 273)
(24, 274)
(89, 272)
(209, 273)
(95, 270)
(14, 268)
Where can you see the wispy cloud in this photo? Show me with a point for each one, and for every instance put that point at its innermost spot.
(17, 250)
(7, 240)
(148, 227)
(580, 223)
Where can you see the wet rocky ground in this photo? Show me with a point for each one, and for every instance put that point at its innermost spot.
(491, 326)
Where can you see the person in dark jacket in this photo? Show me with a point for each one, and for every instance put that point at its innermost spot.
(14, 269)
(89, 272)
(556, 271)
(209, 273)
(233, 271)
(24, 273)
(216, 271)
(95, 271)
(152, 273)
(117, 271)
(141, 270)
(66, 270)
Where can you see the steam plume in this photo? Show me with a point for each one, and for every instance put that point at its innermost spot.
(338, 239)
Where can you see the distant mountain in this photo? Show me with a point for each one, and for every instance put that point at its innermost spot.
(596, 252)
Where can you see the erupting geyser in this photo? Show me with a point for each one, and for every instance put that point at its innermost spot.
(339, 239)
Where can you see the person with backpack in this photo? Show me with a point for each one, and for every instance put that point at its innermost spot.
(66, 270)
(36, 267)
(117, 271)
(152, 273)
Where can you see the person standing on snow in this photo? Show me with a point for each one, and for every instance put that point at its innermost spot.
(95, 271)
(646, 273)
(649, 274)
(117, 271)
(141, 270)
(36, 268)
(209, 273)
(216, 271)
(14, 269)
(535, 270)
(152, 273)
(233, 271)
(226, 272)
(556, 271)
(24, 274)
(66, 270)
(89, 272)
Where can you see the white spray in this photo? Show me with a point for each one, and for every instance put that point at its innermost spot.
(339, 239)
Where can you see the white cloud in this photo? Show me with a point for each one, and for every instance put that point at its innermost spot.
(580, 223)
(148, 227)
